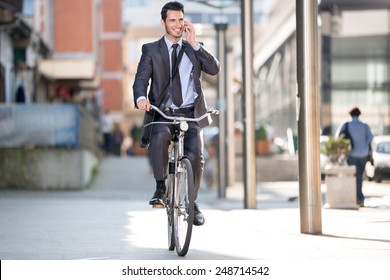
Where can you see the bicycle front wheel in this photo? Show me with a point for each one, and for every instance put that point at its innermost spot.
(169, 208)
(184, 206)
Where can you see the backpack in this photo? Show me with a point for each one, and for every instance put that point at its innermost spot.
(347, 135)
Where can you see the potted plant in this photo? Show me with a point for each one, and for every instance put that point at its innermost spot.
(336, 149)
(339, 177)
(263, 145)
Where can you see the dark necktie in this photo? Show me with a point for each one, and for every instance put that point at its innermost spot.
(176, 86)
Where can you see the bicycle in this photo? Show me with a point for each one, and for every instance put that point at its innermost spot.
(179, 199)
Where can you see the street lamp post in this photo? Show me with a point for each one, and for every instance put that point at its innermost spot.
(247, 86)
(222, 104)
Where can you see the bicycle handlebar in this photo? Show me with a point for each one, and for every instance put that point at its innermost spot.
(177, 119)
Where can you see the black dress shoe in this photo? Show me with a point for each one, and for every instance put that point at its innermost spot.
(158, 198)
(198, 216)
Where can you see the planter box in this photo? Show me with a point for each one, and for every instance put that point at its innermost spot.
(340, 187)
(46, 168)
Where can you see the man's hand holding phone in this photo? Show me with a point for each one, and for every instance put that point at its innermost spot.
(190, 33)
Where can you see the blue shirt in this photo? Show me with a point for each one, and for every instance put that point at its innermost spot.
(186, 79)
(361, 137)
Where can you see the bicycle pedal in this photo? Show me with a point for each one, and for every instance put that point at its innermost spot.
(158, 206)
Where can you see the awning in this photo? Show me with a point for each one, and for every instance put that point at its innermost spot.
(72, 69)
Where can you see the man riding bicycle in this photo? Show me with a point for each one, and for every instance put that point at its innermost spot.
(183, 95)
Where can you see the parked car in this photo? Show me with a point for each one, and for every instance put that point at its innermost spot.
(380, 170)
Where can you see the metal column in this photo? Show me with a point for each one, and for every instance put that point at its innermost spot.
(222, 159)
(308, 117)
(248, 106)
(230, 128)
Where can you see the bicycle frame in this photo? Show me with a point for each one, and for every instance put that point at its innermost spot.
(177, 147)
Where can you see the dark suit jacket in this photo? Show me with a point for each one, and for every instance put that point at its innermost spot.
(154, 66)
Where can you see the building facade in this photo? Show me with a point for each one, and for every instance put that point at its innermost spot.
(62, 51)
(355, 39)
(21, 48)
(354, 42)
(89, 40)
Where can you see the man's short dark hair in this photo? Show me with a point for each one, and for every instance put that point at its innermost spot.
(354, 112)
(175, 6)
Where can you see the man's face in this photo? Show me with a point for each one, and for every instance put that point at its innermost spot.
(174, 25)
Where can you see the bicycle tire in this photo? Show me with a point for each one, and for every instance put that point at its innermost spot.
(169, 208)
(184, 207)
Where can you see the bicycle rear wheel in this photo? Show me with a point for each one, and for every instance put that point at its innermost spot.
(184, 206)
(169, 208)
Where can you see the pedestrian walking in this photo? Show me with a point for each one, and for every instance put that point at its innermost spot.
(361, 136)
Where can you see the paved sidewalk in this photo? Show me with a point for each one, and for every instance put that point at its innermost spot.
(112, 220)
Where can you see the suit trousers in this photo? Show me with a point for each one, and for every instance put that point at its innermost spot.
(161, 137)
